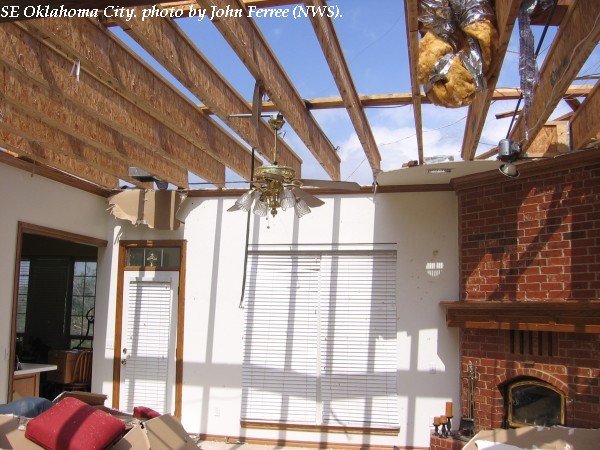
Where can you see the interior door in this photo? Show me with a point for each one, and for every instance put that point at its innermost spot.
(148, 340)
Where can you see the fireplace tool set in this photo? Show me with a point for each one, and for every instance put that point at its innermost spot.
(467, 424)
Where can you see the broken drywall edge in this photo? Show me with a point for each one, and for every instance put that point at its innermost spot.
(155, 209)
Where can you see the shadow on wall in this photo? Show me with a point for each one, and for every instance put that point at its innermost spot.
(426, 364)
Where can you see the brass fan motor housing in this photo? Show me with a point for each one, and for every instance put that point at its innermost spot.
(281, 174)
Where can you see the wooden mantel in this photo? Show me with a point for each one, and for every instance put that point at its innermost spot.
(575, 316)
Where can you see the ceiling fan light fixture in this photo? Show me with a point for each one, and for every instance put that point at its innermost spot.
(287, 199)
(301, 208)
(260, 208)
(245, 201)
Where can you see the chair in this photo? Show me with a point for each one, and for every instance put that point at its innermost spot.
(82, 373)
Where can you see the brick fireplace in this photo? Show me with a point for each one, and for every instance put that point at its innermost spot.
(530, 288)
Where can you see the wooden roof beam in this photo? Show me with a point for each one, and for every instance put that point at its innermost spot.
(19, 124)
(108, 60)
(575, 40)
(51, 72)
(506, 15)
(403, 99)
(411, 14)
(334, 55)
(41, 154)
(585, 123)
(540, 17)
(251, 47)
(42, 104)
(11, 159)
(169, 45)
(552, 140)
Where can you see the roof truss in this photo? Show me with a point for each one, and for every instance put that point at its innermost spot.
(120, 112)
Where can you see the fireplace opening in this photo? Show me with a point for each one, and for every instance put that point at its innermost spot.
(533, 402)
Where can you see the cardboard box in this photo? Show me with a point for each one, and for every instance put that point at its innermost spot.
(555, 438)
(161, 433)
(90, 398)
(12, 435)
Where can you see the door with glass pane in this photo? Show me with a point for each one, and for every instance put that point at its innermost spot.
(148, 340)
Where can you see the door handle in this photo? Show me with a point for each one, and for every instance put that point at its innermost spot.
(123, 362)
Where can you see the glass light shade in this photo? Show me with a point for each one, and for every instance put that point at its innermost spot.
(509, 170)
(245, 201)
(287, 199)
(260, 208)
(301, 208)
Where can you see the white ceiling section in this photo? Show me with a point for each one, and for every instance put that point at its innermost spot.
(87, 98)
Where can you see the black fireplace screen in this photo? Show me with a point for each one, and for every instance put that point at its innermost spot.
(535, 403)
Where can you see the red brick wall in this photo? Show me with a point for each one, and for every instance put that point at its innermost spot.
(532, 239)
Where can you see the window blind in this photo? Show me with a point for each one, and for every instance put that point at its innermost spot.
(149, 320)
(320, 338)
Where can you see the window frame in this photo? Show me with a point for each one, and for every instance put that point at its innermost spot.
(73, 337)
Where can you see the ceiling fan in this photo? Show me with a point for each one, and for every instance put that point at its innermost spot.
(276, 186)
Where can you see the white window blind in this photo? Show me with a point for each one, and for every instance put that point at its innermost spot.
(149, 307)
(320, 338)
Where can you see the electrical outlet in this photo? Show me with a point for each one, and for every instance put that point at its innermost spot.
(217, 411)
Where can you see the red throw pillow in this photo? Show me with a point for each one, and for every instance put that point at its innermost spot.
(74, 425)
(143, 412)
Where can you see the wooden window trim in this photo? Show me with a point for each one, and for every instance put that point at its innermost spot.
(320, 428)
(29, 228)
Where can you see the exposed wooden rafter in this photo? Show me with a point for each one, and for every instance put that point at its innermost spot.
(251, 47)
(122, 112)
(576, 38)
(41, 103)
(334, 55)
(506, 15)
(411, 12)
(52, 174)
(43, 154)
(51, 72)
(39, 141)
(403, 99)
(169, 45)
(133, 79)
(585, 123)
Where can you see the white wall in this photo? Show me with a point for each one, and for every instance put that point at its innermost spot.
(424, 227)
(37, 200)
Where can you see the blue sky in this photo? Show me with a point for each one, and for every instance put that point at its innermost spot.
(373, 38)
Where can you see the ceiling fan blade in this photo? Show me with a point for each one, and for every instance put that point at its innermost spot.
(329, 184)
(310, 200)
